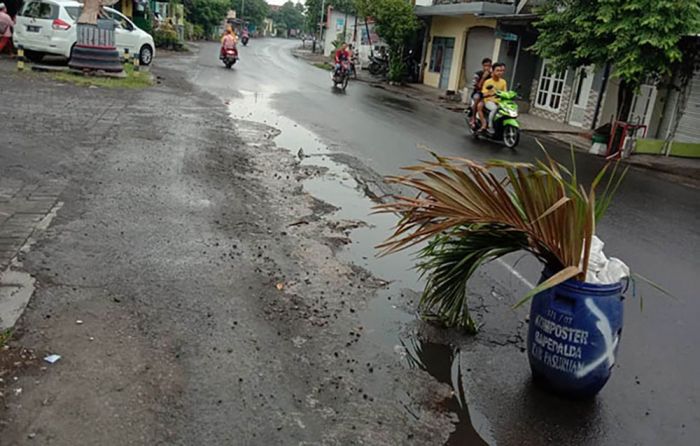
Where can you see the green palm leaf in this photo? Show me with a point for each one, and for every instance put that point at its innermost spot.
(473, 213)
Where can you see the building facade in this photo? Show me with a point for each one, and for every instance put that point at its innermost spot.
(459, 35)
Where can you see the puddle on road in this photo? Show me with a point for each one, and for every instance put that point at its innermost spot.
(444, 364)
(383, 318)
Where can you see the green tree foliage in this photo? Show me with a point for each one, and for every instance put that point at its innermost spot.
(255, 11)
(207, 13)
(313, 10)
(289, 16)
(639, 38)
(395, 24)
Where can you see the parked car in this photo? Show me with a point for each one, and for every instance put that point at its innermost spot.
(49, 27)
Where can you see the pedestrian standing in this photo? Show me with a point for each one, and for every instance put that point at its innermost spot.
(6, 26)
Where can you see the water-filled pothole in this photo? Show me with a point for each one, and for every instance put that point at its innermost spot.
(383, 318)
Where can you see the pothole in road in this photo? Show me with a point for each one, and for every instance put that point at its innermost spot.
(384, 317)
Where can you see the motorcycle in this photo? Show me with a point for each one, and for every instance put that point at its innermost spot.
(229, 57)
(378, 65)
(412, 67)
(244, 40)
(341, 76)
(505, 128)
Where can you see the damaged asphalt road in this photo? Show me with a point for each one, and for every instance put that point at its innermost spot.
(227, 289)
(208, 316)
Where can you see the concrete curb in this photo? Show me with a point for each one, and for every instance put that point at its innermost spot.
(16, 285)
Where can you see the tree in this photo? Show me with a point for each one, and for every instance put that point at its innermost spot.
(638, 38)
(255, 11)
(313, 10)
(288, 17)
(207, 13)
(395, 23)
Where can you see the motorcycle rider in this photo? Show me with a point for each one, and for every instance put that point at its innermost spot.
(228, 41)
(477, 83)
(354, 60)
(342, 57)
(490, 86)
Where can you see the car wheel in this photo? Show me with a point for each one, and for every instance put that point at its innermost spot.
(34, 56)
(146, 55)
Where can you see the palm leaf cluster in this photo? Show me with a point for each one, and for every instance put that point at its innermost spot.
(473, 213)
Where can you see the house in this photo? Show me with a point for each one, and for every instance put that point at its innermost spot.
(462, 33)
(587, 97)
(340, 27)
(459, 35)
(360, 32)
(268, 28)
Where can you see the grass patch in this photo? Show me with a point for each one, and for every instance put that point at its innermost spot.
(133, 80)
(5, 336)
(323, 65)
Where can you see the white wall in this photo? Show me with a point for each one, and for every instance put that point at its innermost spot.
(335, 27)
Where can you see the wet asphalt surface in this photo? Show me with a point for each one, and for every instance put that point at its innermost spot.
(232, 294)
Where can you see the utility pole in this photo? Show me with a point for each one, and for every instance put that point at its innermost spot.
(320, 21)
(242, 8)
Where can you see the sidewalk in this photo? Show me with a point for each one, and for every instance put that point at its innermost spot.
(688, 169)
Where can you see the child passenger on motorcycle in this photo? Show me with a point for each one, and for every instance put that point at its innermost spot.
(489, 89)
(477, 83)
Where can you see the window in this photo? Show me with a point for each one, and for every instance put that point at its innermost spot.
(31, 10)
(74, 11)
(47, 11)
(550, 89)
(39, 10)
(120, 21)
(437, 55)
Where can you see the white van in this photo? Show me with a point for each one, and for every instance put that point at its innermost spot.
(49, 27)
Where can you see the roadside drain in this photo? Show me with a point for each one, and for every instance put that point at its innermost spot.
(384, 317)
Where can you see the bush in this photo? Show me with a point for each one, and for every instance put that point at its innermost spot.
(166, 37)
(198, 31)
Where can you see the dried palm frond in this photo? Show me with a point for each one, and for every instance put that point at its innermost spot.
(471, 216)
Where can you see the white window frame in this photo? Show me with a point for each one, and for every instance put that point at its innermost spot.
(545, 87)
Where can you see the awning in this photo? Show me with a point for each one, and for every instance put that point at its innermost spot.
(456, 9)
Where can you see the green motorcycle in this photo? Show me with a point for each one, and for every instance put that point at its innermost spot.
(506, 127)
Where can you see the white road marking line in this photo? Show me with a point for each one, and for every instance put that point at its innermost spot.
(514, 272)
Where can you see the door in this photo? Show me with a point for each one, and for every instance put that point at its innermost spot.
(441, 59)
(447, 65)
(643, 105)
(480, 42)
(581, 92)
(124, 36)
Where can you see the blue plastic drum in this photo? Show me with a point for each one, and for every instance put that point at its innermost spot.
(574, 335)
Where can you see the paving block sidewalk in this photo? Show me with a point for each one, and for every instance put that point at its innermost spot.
(22, 207)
